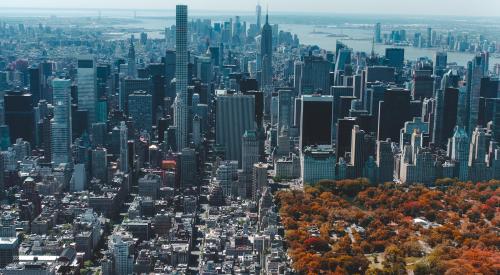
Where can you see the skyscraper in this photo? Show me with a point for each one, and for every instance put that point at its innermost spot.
(87, 94)
(385, 161)
(35, 77)
(316, 120)
(315, 75)
(460, 152)
(131, 67)
(445, 115)
(129, 85)
(440, 63)
(123, 147)
(358, 158)
(378, 33)
(394, 111)
(285, 107)
(140, 105)
(235, 115)
(181, 75)
(19, 115)
(475, 71)
(266, 54)
(429, 37)
(395, 57)
(61, 131)
(250, 150)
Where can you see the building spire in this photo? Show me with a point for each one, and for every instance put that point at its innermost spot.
(267, 14)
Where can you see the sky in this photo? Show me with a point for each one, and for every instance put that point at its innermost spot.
(389, 7)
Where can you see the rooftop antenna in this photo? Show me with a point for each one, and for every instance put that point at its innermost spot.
(267, 13)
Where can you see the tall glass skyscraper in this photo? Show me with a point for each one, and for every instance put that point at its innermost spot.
(61, 122)
(181, 75)
(87, 94)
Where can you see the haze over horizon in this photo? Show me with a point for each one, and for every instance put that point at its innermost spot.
(389, 7)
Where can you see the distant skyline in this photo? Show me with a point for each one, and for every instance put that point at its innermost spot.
(389, 7)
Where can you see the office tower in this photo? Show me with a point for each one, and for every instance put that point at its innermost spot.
(235, 115)
(266, 54)
(385, 161)
(343, 60)
(337, 92)
(87, 94)
(35, 77)
(315, 75)
(149, 186)
(344, 136)
(445, 115)
(259, 181)
(19, 111)
(259, 106)
(181, 76)
(394, 111)
(477, 156)
(250, 150)
(440, 63)
(496, 120)
(98, 134)
(169, 60)
(358, 86)
(429, 37)
(285, 109)
(316, 120)
(383, 74)
(188, 168)
(131, 66)
(358, 156)
(297, 77)
(123, 147)
(100, 164)
(130, 85)
(460, 152)
(61, 131)
(227, 177)
(475, 71)
(140, 105)
(395, 57)
(378, 33)
(196, 130)
(258, 11)
(283, 143)
(423, 84)
(318, 163)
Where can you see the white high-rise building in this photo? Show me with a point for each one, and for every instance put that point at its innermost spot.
(123, 261)
(87, 93)
(61, 122)
(181, 75)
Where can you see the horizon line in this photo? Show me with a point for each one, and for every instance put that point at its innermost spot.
(249, 12)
